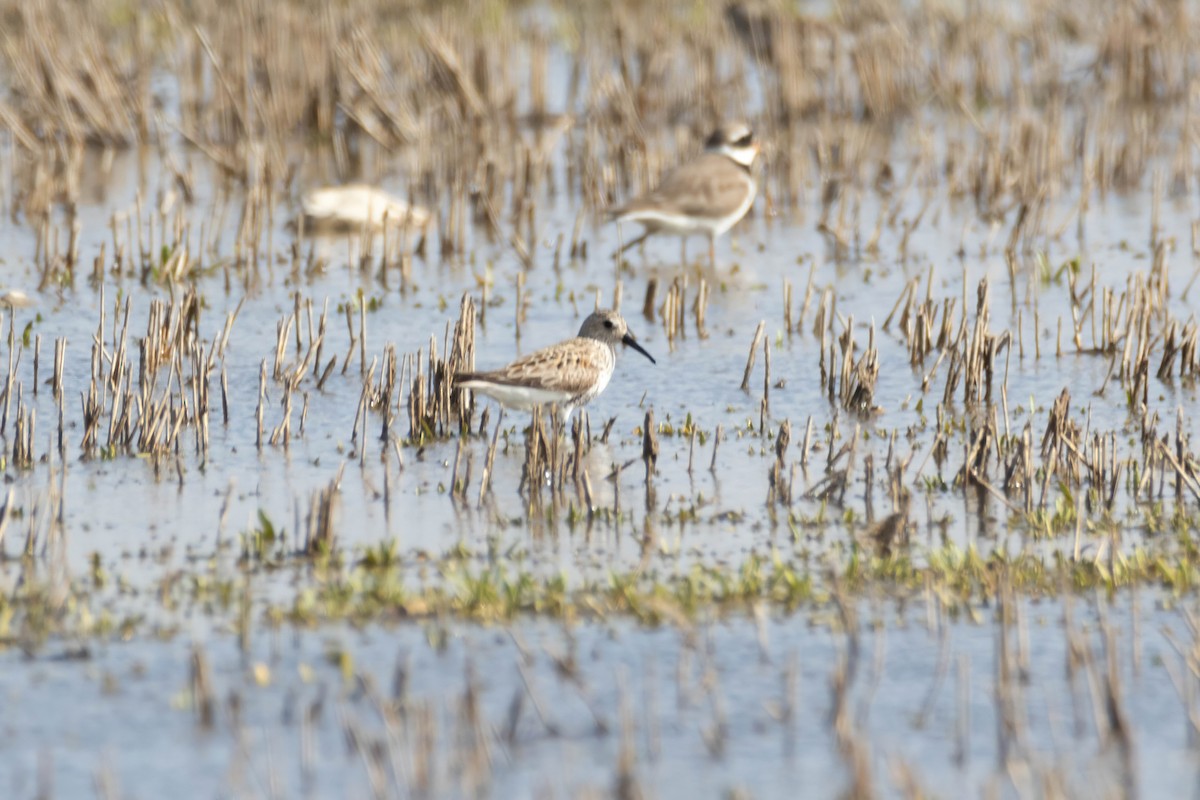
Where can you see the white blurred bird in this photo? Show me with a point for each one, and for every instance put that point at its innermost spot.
(357, 206)
(15, 298)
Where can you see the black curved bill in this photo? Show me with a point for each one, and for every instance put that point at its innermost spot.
(629, 341)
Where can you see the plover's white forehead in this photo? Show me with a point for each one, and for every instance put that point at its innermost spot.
(731, 134)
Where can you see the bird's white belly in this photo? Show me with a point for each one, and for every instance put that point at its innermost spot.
(687, 224)
(525, 398)
(725, 223)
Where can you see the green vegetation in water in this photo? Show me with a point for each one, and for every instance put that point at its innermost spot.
(380, 586)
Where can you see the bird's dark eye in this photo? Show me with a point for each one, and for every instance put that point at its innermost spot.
(745, 141)
(608, 323)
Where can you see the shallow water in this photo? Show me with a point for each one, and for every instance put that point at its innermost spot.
(117, 706)
(732, 705)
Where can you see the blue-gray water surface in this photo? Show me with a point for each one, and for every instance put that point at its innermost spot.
(316, 712)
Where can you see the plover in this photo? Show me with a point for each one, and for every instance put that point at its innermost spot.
(350, 208)
(568, 375)
(706, 195)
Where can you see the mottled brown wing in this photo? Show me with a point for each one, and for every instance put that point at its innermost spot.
(712, 185)
(568, 369)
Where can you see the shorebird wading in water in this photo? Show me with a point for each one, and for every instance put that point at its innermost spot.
(706, 195)
(568, 375)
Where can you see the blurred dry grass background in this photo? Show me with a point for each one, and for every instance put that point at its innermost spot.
(1032, 98)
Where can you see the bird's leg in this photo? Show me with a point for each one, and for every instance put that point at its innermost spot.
(712, 249)
(558, 419)
(683, 251)
(631, 243)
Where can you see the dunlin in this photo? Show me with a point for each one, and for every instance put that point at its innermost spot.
(706, 195)
(568, 375)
